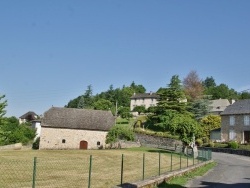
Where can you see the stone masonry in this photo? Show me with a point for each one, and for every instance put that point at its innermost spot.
(52, 138)
(238, 127)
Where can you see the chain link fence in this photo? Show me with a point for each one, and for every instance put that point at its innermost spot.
(92, 171)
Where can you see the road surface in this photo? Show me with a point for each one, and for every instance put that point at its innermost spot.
(232, 171)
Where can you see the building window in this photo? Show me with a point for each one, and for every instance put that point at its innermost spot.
(232, 120)
(63, 141)
(246, 120)
(232, 135)
(98, 143)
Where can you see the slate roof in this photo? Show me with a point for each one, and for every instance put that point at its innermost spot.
(145, 95)
(73, 118)
(29, 114)
(239, 107)
(219, 105)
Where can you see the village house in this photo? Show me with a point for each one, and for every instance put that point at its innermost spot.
(143, 99)
(235, 122)
(28, 117)
(70, 128)
(219, 105)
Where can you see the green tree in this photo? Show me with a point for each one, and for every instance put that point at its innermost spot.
(139, 109)
(81, 103)
(244, 95)
(102, 104)
(171, 102)
(222, 91)
(119, 132)
(124, 112)
(185, 126)
(137, 88)
(13, 133)
(88, 97)
(200, 108)
(209, 82)
(3, 104)
(172, 98)
(209, 123)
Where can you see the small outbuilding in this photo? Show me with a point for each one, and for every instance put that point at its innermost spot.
(71, 128)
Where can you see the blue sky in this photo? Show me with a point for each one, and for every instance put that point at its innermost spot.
(50, 51)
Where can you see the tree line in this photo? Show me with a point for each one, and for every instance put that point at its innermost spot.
(192, 85)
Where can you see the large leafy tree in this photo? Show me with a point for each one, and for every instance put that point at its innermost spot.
(11, 132)
(102, 104)
(137, 88)
(139, 109)
(221, 91)
(186, 127)
(244, 95)
(193, 86)
(209, 123)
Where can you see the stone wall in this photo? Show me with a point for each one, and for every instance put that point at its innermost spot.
(52, 138)
(16, 146)
(159, 142)
(229, 150)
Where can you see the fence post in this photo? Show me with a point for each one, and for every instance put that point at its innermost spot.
(122, 170)
(34, 173)
(143, 166)
(171, 168)
(203, 158)
(180, 160)
(90, 169)
(193, 158)
(159, 164)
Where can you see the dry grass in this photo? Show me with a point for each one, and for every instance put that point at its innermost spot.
(70, 168)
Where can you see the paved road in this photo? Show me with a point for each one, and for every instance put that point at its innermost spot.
(232, 171)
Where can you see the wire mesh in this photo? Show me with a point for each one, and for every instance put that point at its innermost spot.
(62, 170)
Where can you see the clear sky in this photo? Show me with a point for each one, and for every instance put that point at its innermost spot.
(51, 50)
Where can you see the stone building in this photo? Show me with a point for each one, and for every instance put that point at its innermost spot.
(235, 122)
(143, 99)
(70, 128)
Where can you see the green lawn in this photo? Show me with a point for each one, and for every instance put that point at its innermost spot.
(70, 168)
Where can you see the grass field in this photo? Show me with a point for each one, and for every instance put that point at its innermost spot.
(70, 168)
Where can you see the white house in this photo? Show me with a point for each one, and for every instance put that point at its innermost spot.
(143, 99)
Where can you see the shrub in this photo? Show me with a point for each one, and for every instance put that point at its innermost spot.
(233, 145)
(199, 142)
(120, 132)
(35, 145)
(205, 140)
(220, 145)
(211, 144)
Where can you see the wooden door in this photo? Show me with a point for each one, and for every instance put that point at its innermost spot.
(83, 144)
